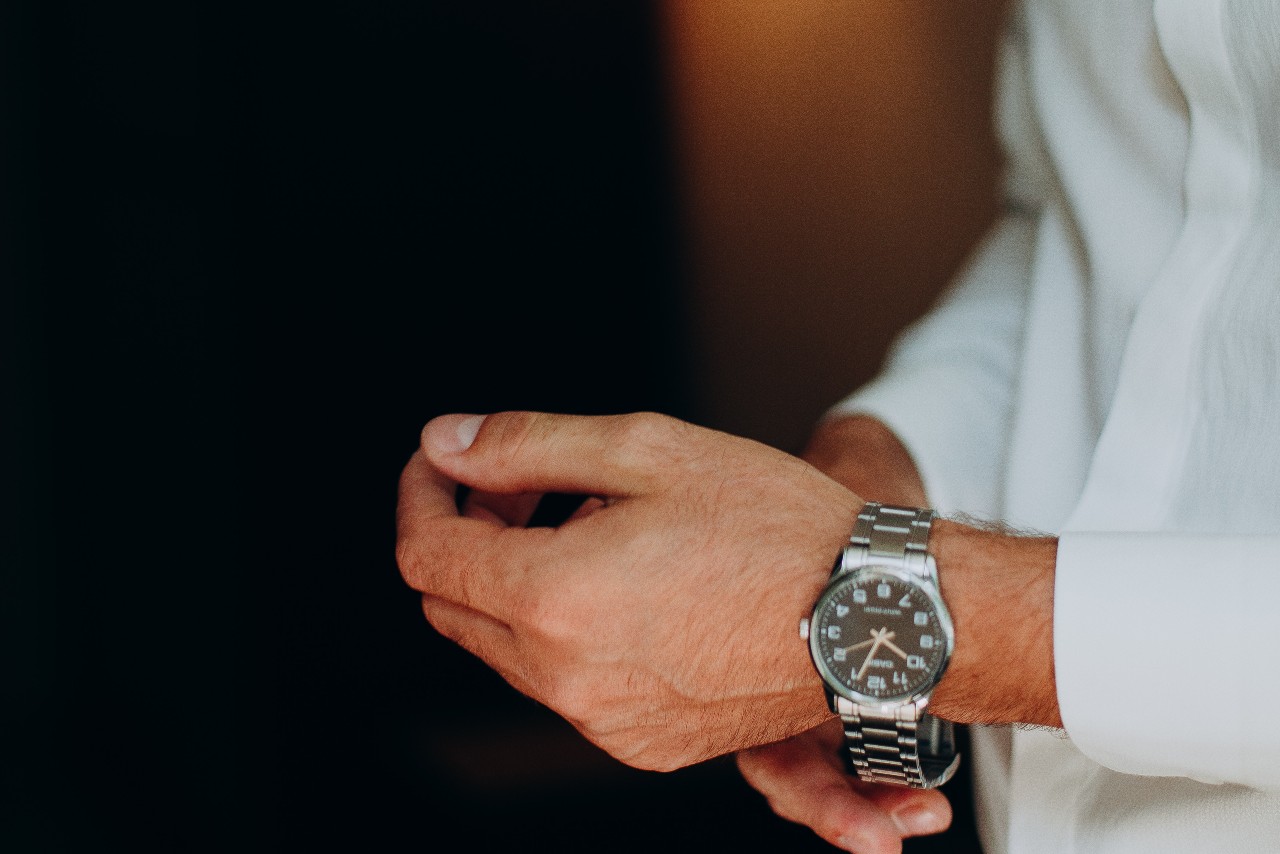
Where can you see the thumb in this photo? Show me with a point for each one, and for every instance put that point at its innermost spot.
(608, 455)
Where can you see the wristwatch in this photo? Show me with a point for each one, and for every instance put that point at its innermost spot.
(880, 636)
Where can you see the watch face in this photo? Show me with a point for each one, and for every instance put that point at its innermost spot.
(879, 636)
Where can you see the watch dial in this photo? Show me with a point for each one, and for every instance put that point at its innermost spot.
(879, 635)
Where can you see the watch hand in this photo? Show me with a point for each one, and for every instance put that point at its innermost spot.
(857, 646)
(875, 647)
(883, 635)
(893, 646)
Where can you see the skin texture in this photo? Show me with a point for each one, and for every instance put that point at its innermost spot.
(661, 619)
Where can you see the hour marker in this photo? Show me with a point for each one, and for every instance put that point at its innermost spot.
(842, 610)
(922, 618)
(839, 654)
(905, 601)
(833, 632)
(883, 591)
(860, 596)
(926, 641)
(915, 662)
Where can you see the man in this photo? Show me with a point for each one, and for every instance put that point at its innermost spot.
(1106, 371)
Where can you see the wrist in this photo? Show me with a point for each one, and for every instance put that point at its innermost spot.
(999, 590)
(881, 637)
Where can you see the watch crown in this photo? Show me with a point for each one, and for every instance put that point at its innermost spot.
(804, 628)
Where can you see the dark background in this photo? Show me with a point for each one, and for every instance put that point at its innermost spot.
(248, 251)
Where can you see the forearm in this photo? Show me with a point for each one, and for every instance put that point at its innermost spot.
(999, 589)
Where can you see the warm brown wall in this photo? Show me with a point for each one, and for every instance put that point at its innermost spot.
(837, 163)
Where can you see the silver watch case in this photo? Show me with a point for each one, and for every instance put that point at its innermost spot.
(927, 581)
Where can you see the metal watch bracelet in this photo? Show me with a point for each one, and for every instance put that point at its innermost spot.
(905, 746)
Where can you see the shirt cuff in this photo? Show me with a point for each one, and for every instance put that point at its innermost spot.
(1166, 653)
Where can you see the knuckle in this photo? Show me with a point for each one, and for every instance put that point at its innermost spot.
(782, 807)
(646, 429)
(437, 561)
(543, 616)
(778, 762)
(642, 439)
(437, 614)
(556, 610)
(409, 560)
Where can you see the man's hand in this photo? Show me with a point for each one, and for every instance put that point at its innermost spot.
(805, 781)
(661, 619)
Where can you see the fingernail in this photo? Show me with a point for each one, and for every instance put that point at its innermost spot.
(919, 819)
(467, 430)
(451, 434)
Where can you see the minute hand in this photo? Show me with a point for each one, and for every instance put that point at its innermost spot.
(893, 646)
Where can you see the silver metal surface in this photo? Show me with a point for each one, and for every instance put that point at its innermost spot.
(944, 623)
(894, 740)
(898, 536)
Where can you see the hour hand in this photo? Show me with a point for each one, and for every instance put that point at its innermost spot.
(852, 647)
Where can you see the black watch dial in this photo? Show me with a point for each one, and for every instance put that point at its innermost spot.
(880, 635)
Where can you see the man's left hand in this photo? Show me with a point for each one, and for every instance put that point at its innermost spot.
(660, 619)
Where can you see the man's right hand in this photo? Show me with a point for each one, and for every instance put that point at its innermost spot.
(805, 782)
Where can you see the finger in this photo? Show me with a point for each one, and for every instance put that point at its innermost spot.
(471, 562)
(490, 640)
(514, 452)
(804, 786)
(586, 508)
(510, 510)
(425, 492)
(804, 781)
(916, 812)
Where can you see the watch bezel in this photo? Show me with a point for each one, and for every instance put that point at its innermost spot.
(931, 592)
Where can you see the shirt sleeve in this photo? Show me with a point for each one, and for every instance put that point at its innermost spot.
(948, 385)
(1165, 651)
(946, 390)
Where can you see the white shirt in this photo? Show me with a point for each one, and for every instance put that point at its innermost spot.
(1107, 368)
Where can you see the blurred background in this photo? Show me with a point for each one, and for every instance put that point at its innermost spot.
(249, 249)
